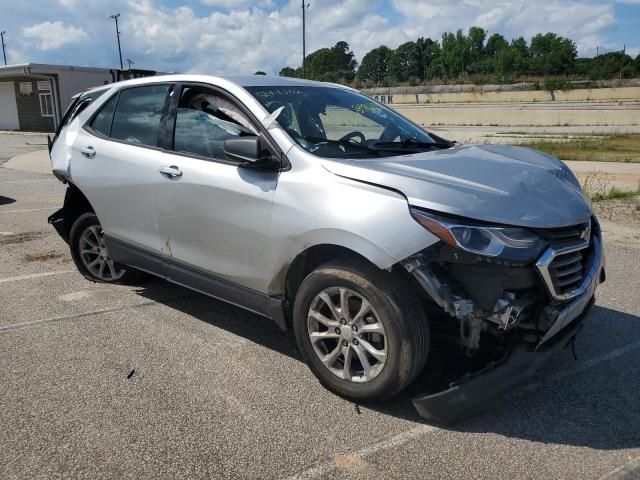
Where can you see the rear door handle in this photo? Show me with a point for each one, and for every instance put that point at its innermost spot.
(88, 152)
(170, 171)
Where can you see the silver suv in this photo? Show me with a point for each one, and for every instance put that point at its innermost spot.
(387, 250)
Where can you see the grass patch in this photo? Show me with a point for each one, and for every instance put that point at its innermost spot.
(614, 193)
(597, 148)
(598, 188)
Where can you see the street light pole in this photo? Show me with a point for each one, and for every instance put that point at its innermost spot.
(2, 34)
(304, 38)
(115, 17)
(130, 62)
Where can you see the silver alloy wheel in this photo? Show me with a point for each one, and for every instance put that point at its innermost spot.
(347, 334)
(94, 255)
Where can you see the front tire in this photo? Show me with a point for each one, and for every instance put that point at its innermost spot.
(363, 335)
(90, 254)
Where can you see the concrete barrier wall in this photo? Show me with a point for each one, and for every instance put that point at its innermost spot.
(528, 96)
(509, 115)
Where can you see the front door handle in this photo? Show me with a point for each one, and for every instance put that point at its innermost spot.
(88, 152)
(170, 171)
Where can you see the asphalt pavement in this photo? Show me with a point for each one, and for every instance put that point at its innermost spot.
(155, 381)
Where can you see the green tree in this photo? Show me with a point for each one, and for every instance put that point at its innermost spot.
(495, 43)
(375, 65)
(291, 72)
(552, 54)
(432, 62)
(477, 57)
(329, 64)
(260, 72)
(456, 53)
(406, 62)
(512, 59)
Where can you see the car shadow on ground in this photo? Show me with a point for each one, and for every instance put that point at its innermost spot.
(590, 409)
(6, 200)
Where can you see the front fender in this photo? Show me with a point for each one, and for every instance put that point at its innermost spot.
(312, 206)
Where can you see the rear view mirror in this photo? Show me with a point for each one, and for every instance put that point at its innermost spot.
(249, 153)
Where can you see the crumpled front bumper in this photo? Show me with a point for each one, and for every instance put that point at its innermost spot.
(471, 395)
(475, 392)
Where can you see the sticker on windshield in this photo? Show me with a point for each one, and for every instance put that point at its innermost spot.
(367, 107)
(276, 92)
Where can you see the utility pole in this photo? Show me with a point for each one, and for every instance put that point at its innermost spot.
(304, 38)
(130, 62)
(2, 34)
(115, 17)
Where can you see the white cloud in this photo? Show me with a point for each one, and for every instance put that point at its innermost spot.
(232, 4)
(69, 4)
(242, 36)
(52, 35)
(583, 21)
(244, 40)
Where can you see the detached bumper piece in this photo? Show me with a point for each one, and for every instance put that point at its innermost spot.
(472, 395)
(57, 221)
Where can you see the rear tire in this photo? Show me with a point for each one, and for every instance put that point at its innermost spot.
(89, 253)
(393, 334)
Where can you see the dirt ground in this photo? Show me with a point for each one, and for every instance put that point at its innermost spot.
(620, 220)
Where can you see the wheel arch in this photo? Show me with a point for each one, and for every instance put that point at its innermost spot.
(288, 280)
(75, 204)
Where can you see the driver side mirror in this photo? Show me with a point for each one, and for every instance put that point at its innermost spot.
(248, 151)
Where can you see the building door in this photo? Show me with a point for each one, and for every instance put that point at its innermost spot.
(8, 108)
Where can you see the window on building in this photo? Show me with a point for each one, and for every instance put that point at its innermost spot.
(46, 105)
(138, 113)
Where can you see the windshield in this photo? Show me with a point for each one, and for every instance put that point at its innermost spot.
(337, 123)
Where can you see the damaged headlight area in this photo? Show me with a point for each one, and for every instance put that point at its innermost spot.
(509, 243)
(503, 311)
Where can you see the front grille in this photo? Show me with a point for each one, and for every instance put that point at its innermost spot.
(567, 271)
(568, 259)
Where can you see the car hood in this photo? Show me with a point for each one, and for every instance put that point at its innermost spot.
(493, 183)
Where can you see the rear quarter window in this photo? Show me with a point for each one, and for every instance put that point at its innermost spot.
(101, 123)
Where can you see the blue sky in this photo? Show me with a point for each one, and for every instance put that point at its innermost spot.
(242, 36)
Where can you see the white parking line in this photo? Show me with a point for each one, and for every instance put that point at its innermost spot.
(423, 429)
(16, 326)
(627, 471)
(34, 275)
(394, 441)
(28, 210)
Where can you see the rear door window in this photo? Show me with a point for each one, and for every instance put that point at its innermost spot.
(138, 113)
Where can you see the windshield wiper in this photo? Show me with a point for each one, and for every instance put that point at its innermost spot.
(412, 143)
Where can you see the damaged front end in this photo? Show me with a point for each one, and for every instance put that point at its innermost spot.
(510, 311)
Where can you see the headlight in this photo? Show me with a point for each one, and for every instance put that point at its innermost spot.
(511, 242)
